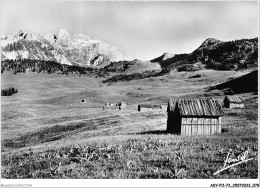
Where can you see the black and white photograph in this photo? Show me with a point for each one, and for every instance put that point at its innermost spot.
(99, 93)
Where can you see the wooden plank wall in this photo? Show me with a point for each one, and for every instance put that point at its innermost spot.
(234, 105)
(146, 109)
(200, 126)
(150, 109)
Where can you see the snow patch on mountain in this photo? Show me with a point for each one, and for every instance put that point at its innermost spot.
(63, 35)
(113, 52)
(60, 58)
(13, 55)
(8, 40)
(50, 38)
(83, 37)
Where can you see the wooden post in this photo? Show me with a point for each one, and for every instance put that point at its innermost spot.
(100, 84)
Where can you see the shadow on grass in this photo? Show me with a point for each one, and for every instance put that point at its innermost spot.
(223, 130)
(152, 132)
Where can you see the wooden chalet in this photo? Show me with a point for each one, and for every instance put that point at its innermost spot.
(194, 116)
(233, 102)
(148, 107)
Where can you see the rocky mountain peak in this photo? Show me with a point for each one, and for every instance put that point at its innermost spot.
(63, 35)
(50, 37)
(209, 43)
(167, 56)
(83, 37)
(27, 34)
(163, 57)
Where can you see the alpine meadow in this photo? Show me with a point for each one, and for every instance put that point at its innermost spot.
(75, 106)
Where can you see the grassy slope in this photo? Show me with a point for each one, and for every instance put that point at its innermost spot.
(48, 133)
(140, 66)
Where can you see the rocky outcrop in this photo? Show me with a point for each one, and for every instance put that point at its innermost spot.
(163, 57)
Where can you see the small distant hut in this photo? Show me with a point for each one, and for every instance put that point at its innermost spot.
(194, 116)
(233, 102)
(121, 105)
(148, 107)
(109, 106)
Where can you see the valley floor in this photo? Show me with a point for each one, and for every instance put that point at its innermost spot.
(48, 132)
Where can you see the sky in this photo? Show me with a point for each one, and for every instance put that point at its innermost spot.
(144, 30)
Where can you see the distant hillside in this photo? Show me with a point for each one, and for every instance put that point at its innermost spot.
(131, 70)
(243, 84)
(133, 76)
(211, 54)
(131, 67)
(215, 54)
(49, 67)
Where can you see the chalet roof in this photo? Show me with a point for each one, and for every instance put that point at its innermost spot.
(234, 99)
(195, 107)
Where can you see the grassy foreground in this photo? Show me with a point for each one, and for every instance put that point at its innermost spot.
(164, 156)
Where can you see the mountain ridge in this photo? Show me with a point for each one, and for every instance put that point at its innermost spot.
(77, 49)
(71, 49)
(215, 54)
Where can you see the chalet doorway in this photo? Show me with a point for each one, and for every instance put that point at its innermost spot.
(174, 123)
